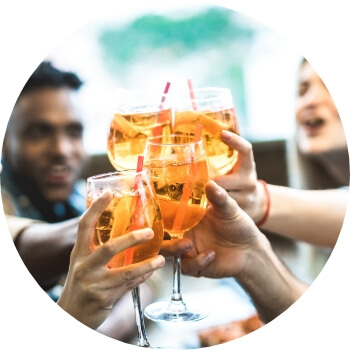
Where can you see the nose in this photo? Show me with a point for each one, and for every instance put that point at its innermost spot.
(307, 102)
(61, 145)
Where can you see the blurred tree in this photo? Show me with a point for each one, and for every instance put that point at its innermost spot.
(214, 38)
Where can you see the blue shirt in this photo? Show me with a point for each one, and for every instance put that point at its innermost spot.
(30, 204)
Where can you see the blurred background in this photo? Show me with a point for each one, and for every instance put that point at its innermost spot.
(145, 47)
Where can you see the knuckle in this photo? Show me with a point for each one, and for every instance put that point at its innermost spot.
(248, 147)
(128, 275)
(108, 249)
(134, 283)
(83, 225)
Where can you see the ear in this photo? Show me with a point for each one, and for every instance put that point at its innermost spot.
(4, 146)
(6, 142)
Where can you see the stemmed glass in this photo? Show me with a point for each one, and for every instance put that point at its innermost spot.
(137, 116)
(134, 206)
(179, 171)
(213, 108)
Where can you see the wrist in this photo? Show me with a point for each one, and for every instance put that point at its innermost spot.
(266, 279)
(255, 254)
(265, 205)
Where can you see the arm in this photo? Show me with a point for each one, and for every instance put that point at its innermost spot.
(315, 216)
(53, 243)
(45, 249)
(270, 284)
(91, 288)
(227, 243)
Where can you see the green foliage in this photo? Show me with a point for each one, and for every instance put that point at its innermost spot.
(214, 28)
(214, 38)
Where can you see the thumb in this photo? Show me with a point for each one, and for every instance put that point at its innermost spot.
(225, 206)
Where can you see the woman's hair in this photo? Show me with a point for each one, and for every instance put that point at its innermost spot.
(314, 171)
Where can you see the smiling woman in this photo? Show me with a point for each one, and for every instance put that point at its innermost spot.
(321, 154)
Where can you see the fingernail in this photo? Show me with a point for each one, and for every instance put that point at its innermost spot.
(160, 260)
(211, 255)
(148, 233)
(225, 135)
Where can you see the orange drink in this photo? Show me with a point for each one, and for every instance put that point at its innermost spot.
(213, 108)
(179, 171)
(131, 208)
(170, 178)
(136, 117)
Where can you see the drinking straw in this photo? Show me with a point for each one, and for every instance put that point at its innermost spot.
(187, 189)
(192, 95)
(167, 86)
(197, 134)
(162, 116)
(129, 254)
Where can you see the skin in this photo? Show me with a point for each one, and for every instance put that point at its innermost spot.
(53, 244)
(319, 127)
(91, 288)
(44, 142)
(227, 243)
(313, 216)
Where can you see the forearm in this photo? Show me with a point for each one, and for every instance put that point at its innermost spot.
(315, 216)
(45, 250)
(271, 286)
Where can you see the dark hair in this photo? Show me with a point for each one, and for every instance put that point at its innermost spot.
(46, 75)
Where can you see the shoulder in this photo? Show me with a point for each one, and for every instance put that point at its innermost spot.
(8, 203)
(17, 224)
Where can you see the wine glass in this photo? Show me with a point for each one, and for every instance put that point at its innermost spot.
(213, 108)
(134, 206)
(179, 171)
(137, 116)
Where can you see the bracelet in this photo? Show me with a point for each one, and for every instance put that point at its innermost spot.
(268, 204)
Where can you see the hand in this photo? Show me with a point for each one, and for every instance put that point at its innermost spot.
(175, 247)
(241, 182)
(91, 287)
(224, 239)
(227, 243)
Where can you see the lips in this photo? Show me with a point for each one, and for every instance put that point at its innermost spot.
(58, 174)
(312, 125)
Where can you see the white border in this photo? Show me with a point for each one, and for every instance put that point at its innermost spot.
(29, 30)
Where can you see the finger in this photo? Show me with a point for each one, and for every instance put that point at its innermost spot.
(135, 282)
(193, 266)
(104, 253)
(222, 203)
(176, 247)
(88, 220)
(139, 271)
(244, 148)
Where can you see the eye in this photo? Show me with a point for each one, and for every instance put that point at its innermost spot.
(303, 87)
(75, 131)
(36, 132)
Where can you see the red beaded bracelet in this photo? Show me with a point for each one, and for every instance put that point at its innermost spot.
(268, 204)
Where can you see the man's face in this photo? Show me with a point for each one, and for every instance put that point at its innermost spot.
(44, 143)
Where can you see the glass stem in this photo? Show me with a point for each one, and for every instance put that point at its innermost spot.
(176, 298)
(141, 329)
